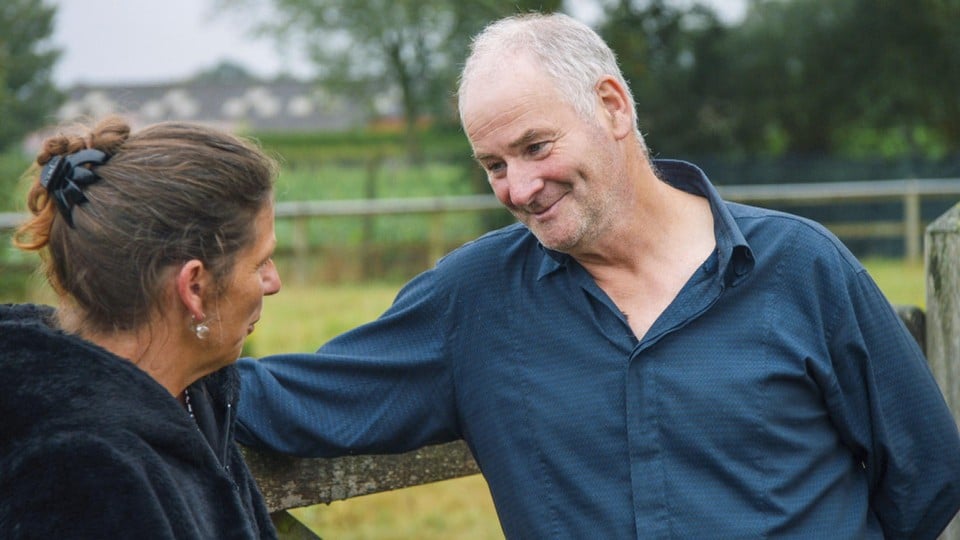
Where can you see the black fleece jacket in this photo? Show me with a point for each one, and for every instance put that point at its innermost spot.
(92, 447)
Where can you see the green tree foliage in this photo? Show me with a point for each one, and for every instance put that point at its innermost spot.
(884, 71)
(386, 51)
(28, 98)
(848, 78)
(674, 61)
(224, 72)
(900, 65)
(851, 77)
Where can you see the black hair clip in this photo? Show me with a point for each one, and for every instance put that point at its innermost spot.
(64, 177)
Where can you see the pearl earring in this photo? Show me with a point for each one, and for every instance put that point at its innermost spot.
(202, 330)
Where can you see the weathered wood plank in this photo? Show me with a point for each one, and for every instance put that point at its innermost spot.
(942, 256)
(288, 482)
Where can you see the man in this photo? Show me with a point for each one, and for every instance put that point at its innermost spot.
(636, 358)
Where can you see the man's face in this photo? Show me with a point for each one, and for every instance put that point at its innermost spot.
(556, 171)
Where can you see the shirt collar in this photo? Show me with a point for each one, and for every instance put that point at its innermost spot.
(553, 261)
(734, 256)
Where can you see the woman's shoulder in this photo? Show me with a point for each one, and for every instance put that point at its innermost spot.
(61, 485)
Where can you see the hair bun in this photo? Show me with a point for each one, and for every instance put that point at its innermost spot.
(109, 134)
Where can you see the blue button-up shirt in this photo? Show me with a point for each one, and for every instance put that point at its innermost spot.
(778, 396)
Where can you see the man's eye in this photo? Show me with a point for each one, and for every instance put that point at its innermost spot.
(537, 148)
(496, 166)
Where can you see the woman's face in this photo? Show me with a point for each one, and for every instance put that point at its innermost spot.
(253, 275)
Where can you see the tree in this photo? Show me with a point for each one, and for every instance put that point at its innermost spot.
(28, 97)
(225, 71)
(674, 61)
(802, 77)
(859, 76)
(386, 51)
(378, 51)
(905, 69)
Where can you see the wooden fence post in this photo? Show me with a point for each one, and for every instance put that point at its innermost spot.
(301, 248)
(942, 256)
(436, 248)
(369, 261)
(911, 225)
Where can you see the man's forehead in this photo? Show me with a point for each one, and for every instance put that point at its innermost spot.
(493, 71)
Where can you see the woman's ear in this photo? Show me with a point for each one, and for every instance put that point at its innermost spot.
(615, 105)
(191, 286)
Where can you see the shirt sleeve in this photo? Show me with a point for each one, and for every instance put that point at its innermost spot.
(385, 387)
(889, 408)
(78, 488)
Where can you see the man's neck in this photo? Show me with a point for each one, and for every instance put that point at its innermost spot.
(653, 255)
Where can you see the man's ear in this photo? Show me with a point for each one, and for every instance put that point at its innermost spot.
(191, 286)
(615, 106)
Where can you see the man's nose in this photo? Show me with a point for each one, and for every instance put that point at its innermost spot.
(524, 182)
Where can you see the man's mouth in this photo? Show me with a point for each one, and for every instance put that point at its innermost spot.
(544, 211)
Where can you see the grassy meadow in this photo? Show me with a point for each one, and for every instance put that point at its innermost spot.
(340, 182)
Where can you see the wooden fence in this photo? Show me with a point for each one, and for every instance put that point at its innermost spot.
(942, 331)
(910, 194)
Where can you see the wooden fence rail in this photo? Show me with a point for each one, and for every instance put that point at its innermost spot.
(911, 192)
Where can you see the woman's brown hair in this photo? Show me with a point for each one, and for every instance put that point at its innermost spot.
(166, 194)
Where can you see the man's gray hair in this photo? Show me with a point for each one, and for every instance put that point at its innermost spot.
(571, 53)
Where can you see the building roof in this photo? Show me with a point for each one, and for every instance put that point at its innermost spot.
(284, 105)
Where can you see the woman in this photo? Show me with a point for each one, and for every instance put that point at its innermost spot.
(118, 408)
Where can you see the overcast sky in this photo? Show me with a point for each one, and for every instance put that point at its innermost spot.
(142, 41)
(114, 41)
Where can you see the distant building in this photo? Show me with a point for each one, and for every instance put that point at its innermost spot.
(249, 106)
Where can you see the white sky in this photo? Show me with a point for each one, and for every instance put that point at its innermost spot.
(142, 41)
(138, 41)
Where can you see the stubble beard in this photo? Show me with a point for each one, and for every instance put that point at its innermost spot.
(564, 236)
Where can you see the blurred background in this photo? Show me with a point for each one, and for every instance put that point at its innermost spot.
(831, 109)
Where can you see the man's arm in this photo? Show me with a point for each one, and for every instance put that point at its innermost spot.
(385, 387)
(889, 405)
